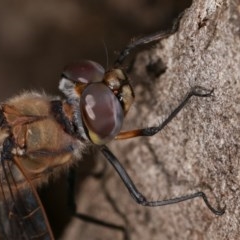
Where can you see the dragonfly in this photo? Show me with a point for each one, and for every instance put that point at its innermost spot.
(41, 136)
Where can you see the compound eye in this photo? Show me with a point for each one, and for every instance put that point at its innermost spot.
(101, 112)
(84, 71)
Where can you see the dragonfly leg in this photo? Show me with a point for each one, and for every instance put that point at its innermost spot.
(150, 131)
(141, 199)
(146, 40)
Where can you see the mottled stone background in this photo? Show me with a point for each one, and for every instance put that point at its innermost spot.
(199, 150)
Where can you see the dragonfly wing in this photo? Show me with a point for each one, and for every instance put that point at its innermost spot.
(21, 213)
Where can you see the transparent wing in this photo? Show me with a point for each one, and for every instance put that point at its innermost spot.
(21, 213)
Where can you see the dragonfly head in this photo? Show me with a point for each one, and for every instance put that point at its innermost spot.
(101, 99)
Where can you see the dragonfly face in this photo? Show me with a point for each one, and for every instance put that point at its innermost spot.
(41, 135)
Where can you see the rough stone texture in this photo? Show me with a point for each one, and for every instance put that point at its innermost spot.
(199, 149)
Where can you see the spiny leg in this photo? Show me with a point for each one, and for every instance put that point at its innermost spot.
(150, 131)
(146, 40)
(141, 199)
(85, 217)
